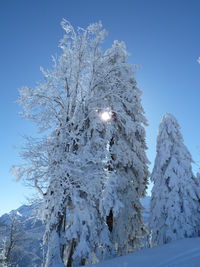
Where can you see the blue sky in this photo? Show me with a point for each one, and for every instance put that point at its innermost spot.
(163, 38)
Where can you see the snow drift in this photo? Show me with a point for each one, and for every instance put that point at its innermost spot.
(181, 253)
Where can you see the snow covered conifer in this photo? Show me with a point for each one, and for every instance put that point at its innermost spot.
(175, 195)
(126, 159)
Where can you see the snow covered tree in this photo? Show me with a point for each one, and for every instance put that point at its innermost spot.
(3, 254)
(9, 243)
(60, 165)
(126, 159)
(175, 194)
(90, 165)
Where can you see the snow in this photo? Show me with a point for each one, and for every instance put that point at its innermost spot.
(19, 214)
(181, 253)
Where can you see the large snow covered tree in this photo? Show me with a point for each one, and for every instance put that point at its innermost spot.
(89, 165)
(60, 164)
(175, 195)
(127, 160)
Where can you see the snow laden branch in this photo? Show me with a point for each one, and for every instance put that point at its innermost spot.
(90, 171)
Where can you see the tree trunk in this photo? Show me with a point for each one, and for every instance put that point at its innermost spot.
(82, 263)
(69, 261)
(109, 221)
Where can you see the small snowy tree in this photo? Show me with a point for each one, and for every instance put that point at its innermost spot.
(175, 194)
(3, 254)
(9, 243)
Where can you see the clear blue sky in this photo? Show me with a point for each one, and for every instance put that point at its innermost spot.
(162, 36)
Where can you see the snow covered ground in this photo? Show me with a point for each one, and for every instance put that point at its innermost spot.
(181, 253)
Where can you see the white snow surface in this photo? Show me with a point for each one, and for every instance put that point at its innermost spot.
(181, 253)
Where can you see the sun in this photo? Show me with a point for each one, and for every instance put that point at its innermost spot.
(106, 116)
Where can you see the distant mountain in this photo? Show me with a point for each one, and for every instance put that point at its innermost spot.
(28, 250)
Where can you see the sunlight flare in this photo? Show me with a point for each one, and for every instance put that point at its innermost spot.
(106, 116)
